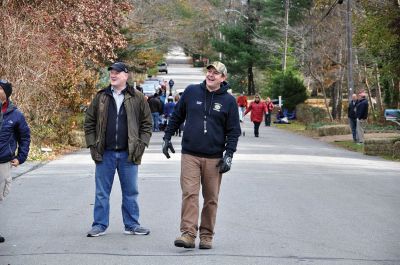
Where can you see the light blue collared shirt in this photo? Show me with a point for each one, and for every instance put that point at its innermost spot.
(118, 97)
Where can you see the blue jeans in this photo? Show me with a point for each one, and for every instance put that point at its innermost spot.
(128, 175)
(156, 117)
(353, 127)
(241, 112)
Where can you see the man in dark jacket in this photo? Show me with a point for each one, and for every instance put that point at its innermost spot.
(362, 115)
(211, 128)
(351, 114)
(14, 133)
(117, 130)
(156, 109)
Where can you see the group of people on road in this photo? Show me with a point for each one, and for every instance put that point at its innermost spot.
(118, 126)
(357, 112)
(161, 108)
(259, 110)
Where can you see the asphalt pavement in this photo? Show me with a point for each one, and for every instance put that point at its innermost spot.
(288, 199)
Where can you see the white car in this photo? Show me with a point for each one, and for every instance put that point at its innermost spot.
(149, 89)
(163, 67)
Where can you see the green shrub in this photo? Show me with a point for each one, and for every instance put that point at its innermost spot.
(290, 87)
(310, 114)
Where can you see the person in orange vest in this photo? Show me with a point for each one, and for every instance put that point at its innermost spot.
(242, 105)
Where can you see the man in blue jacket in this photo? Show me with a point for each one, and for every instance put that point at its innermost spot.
(14, 133)
(210, 137)
(362, 115)
(352, 115)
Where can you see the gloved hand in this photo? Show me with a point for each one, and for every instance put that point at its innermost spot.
(167, 145)
(225, 163)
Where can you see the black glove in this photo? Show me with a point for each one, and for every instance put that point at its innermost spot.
(225, 163)
(167, 145)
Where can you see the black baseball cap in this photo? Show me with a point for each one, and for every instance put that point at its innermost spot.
(118, 66)
(7, 87)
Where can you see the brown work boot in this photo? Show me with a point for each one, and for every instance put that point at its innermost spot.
(185, 241)
(205, 242)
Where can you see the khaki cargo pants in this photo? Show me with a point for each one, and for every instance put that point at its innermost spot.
(5, 179)
(196, 171)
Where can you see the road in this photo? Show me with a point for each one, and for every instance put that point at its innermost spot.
(288, 199)
(181, 71)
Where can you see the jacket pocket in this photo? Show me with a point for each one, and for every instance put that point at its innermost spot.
(96, 156)
(137, 149)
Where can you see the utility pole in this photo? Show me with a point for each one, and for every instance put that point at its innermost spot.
(349, 32)
(286, 34)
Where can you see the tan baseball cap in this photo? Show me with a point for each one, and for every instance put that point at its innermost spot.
(220, 67)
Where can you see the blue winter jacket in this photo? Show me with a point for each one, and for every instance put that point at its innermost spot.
(211, 121)
(362, 109)
(14, 132)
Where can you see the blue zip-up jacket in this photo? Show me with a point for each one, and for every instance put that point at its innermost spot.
(211, 121)
(14, 132)
(362, 109)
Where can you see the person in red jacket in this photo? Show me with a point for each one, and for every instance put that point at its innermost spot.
(257, 108)
(270, 107)
(242, 105)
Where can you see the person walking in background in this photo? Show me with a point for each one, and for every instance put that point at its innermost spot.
(242, 105)
(179, 131)
(362, 115)
(171, 84)
(156, 109)
(212, 119)
(117, 129)
(14, 135)
(257, 109)
(268, 113)
(351, 114)
(169, 108)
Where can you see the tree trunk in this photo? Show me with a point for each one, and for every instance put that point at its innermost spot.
(337, 87)
(368, 88)
(379, 101)
(396, 93)
(334, 101)
(326, 102)
(250, 81)
(286, 35)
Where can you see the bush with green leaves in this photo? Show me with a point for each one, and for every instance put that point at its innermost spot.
(290, 87)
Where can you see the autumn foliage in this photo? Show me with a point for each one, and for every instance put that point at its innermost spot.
(50, 51)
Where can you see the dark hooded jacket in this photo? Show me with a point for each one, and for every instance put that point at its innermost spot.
(101, 116)
(211, 121)
(14, 133)
(362, 109)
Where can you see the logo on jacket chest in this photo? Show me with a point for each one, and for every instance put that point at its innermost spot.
(217, 107)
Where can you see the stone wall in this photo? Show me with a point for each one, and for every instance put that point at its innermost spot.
(339, 129)
(382, 147)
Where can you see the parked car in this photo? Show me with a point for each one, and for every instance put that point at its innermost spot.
(163, 67)
(149, 89)
(154, 82)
